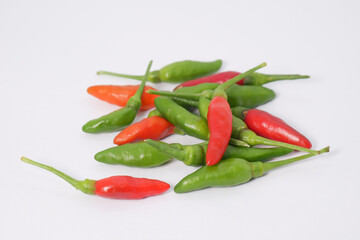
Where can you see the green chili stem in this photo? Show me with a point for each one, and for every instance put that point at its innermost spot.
(271, 165)
(86, 186)
(261, 79)
(265, 141)
(173, 94)
(275, 77)
(120, 75)
(140, 90)
(192, 103)
(241, 76)
(163, 147)
(237, 142)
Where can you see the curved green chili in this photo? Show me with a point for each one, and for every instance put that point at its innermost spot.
(176, 72)
(194, 155)
(231, 172)
(190, 123)
(137, 154)
(120, 118)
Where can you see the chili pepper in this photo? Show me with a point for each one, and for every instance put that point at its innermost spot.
(118, 119)
(154, 128)
(119, 95)
(116, 187)
(219, 118)
(231, 172)
(191, 124)
(137, 154)
(246, 96)
(254, 79)
(249, 96)
(176, 72)
(266, 125)
(195, 154)
(186, 103)
(220, 126)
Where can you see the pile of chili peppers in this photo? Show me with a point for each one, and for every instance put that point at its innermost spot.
(227, 121)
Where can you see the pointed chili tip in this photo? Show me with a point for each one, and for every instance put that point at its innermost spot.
(211, 163)
(164, 186)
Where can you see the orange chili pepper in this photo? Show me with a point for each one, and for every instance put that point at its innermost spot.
(154, 128)
(119, 95)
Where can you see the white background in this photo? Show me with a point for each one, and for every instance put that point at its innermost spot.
(50, 52)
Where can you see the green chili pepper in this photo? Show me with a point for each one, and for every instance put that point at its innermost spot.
(137, 154)
(120, 118)
(191, 124)
(195, 154)
(246, 96)
(249, 96)
(186, 103)
(231, 172)
(176, 72)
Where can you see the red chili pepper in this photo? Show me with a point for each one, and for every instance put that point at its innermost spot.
(119, 95)
(116, 187)
(154, 128)
(253, 79)
(126, 187)
(220, 126)
(271, 127)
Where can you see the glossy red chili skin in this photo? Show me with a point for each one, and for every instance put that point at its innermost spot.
(215, 78)
(266, 125)
(126, 187)
(219, 119)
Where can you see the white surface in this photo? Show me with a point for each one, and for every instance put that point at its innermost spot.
(50, 52)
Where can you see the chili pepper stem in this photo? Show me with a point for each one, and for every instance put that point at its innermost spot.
(261, 79)
(241, 76)
(273, 77)
(163, 147)
(237, 142)
(192, 103)
(265, 141)
(120, 75)
(87, 186)
(140, 90)
(177, 95)
(252, 139)
(271, 165)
